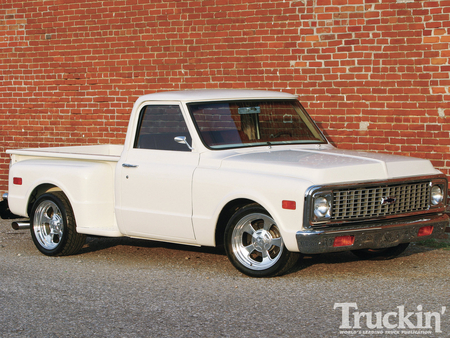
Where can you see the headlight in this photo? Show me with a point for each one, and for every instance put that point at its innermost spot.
(322, 207)
(437, 195)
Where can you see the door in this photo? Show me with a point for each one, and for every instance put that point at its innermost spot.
(155, 180)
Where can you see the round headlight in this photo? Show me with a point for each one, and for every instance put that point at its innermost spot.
(321, 207)
(436, 195)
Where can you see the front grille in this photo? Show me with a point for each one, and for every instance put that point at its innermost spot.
(367, 202)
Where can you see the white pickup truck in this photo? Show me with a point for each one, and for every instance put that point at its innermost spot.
(245, 169)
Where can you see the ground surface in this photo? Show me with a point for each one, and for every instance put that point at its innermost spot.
(133, 288)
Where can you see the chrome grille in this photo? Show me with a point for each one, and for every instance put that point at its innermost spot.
(367, 202)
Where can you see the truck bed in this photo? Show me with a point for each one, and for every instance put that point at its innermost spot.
(84, 173)
(102, 152)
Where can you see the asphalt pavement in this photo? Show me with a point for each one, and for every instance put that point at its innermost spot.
(120, 287)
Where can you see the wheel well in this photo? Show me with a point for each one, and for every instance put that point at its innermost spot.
(228, 210)
(38, 191)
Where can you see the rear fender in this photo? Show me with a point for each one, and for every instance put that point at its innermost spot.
(88, 186)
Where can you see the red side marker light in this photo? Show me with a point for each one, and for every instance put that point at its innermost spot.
(425, 231)
(17, 180)
(290, 205)
(343, 241)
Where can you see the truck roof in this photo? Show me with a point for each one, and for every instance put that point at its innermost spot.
(214, 94)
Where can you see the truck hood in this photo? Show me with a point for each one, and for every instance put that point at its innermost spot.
(326, 166)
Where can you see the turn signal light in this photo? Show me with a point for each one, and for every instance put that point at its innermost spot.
(17, 180)
(425, 231)
(344, 241)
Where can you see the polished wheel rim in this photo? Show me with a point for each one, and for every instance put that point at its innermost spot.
(256, 242)
(48, 225)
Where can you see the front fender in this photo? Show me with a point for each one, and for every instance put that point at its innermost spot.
(213, 189)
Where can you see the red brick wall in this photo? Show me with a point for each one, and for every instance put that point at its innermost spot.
(373, 73)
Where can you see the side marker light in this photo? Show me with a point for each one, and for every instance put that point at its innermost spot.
(289, 205)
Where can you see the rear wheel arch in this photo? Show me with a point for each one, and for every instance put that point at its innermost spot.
(38, 191)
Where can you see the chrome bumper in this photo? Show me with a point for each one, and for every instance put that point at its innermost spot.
(376, 236)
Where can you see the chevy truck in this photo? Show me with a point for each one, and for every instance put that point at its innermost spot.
(245, 170)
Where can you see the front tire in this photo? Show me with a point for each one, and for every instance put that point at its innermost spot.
(53, 226)
(254, 245)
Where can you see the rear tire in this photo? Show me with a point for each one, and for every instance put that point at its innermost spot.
(53, 226)
(381, 254)
(254, 245)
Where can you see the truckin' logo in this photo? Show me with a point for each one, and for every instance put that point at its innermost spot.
(388, 200)
(398, 322)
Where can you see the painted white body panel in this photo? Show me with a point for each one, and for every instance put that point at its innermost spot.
(87, 184)
(178, 196)
(102, 152)
(270, 175)
(328, 165)
(155, 199)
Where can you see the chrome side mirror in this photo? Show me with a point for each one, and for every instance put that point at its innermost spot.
(182, 140)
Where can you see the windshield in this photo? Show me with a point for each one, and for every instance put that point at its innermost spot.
(231, 124)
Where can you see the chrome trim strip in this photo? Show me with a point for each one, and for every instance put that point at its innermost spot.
(379, 235)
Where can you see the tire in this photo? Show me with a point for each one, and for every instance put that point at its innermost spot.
(254, 245)
(381, 254)
(53, 226)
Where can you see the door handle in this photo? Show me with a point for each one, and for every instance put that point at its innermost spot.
(127, 165)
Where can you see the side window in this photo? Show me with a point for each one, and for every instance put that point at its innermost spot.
(159, 125)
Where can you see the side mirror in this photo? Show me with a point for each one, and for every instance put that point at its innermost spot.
(182, 140)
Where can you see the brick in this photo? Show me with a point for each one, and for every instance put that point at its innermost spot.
(388, 64)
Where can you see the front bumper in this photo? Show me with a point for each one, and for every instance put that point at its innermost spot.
(378, 235)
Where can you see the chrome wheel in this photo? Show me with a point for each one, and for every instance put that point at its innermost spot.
(53, 226)
(48, 225)
(256, 242)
